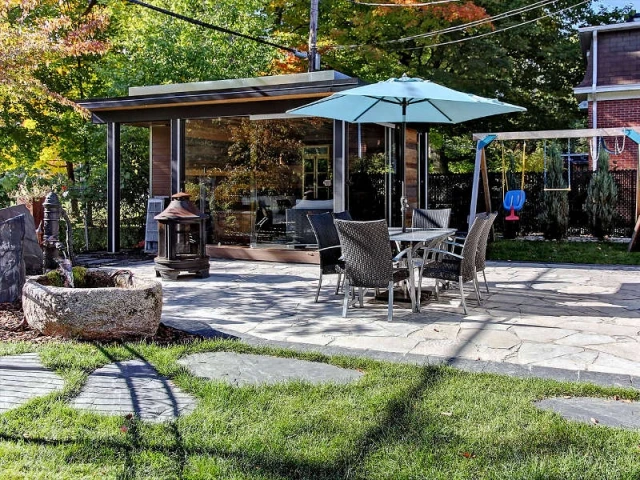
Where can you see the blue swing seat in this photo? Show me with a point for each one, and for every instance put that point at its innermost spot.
(513, 202)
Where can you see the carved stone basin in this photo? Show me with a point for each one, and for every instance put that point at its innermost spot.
(114, 305)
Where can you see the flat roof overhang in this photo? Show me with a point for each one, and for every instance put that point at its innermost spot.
(258, 96)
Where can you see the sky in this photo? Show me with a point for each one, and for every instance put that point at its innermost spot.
(620, 3)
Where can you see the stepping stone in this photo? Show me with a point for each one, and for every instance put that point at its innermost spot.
(612, 413)
(134, 387)
(247, 369)
(23, 377)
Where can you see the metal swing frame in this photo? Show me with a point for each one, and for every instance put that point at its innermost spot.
(485, 139)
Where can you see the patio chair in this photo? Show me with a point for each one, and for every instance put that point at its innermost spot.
(328, 247)
(344, 215)
(481, 256)
(366, 250)
(430, 218)
(424, 219)
(461, 268)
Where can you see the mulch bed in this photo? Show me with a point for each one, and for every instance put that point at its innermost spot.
(13, 328)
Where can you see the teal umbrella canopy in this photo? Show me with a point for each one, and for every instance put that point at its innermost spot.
(405, 100)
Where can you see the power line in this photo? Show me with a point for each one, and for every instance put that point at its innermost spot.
(497, 31)
(405, 5)
(464, 26)
(467, 25)
(210, 26)
(501, 16)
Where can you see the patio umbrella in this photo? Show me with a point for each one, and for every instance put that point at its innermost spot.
(404, 100)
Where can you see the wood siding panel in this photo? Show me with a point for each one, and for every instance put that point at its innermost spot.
(160, 160)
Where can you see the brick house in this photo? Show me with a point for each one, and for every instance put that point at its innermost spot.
(611, 85)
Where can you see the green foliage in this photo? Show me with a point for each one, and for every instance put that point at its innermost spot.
(602, 195)
(150, 48)
(535, 65)
(373, 164)
(50, 143)
(555, 218)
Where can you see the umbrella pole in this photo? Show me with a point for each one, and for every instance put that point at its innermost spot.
(404, 202)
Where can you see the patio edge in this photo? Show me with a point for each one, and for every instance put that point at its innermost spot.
(474, 366)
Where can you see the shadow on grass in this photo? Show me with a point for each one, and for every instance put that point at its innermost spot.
(394, 423)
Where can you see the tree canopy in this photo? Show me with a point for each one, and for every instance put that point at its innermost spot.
(52, 52)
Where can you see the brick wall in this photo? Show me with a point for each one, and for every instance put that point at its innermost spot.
(618, 52)
(618, 57)
(619, 113)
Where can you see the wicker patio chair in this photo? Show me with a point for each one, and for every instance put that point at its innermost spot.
(461, 268)
(366, 250)
(481, 256)
(344, 215)
(424, 219)
(328, 247)
(431, 218)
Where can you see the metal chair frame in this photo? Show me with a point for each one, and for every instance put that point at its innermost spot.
(369, 262)
(461, 268)
(328, 247)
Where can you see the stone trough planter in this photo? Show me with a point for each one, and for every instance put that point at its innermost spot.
(114, 305)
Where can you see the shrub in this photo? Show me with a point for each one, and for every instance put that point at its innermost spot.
(602, 196)
(555, 218)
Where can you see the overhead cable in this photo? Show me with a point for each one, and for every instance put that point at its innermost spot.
(481, 21)
(467, 25)
(493, 32)
(405, 5)
(463, 26)
(210, 26)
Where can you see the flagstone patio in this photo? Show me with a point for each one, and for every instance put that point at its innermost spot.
(577, 318)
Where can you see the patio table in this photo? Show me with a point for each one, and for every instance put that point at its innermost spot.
(418, 238)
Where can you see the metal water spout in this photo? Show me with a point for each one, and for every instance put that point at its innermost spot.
(51, 231)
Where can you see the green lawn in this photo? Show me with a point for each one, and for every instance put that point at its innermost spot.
(562, 252)
(397, 422)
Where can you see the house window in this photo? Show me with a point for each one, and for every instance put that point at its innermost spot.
(317, 172)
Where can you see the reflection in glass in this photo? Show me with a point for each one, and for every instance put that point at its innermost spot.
(251, 175)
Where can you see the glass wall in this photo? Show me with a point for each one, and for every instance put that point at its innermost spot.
(370, 171)
(259, 178)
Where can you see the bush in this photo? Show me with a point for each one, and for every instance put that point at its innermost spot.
(555, 218)
(602, 196)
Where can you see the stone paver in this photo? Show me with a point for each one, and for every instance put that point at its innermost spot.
(595, 411)
(23, 377)
(134, 387)
(248, 369)
(581, 318)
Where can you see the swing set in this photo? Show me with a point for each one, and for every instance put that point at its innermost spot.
(513, 200)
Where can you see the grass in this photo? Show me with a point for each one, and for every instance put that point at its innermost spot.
(606, 253)
(397, 422)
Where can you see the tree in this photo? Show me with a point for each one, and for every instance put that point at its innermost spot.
(37, 33)
(151, 48)
(526, 58)
(555, 218)
(43, 44)
(40, 135)
(602, 196)
(355, 39)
